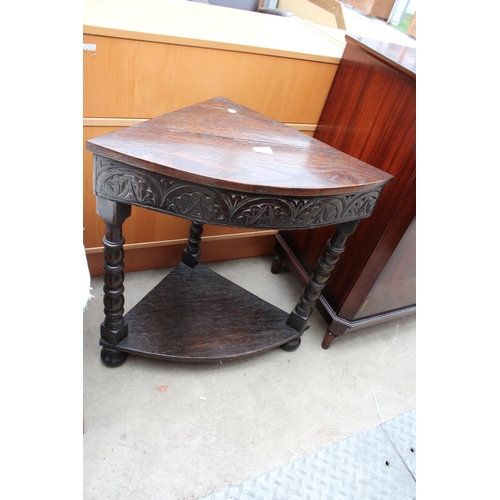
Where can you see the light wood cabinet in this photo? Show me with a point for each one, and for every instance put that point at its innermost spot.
(142, 60)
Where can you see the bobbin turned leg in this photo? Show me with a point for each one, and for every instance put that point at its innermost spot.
(300, 315)
(114, 328)
(192, 253)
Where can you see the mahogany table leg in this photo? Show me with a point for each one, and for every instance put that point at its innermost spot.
(335, 330)
(192, 253)
(334, 247)
(114, 328)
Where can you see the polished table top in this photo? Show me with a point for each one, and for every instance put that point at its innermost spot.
(222, 144)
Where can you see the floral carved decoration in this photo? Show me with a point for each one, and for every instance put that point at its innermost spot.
(122, 183)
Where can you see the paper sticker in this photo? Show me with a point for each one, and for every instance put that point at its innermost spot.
(265, 149)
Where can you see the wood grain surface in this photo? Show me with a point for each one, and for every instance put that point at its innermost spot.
(376, 83)
(220, 143)
(138, 79)
(207, 318)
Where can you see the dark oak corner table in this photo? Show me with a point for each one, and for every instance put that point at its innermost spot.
(220, 163)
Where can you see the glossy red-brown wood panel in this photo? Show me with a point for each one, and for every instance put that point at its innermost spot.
(397, 283)
(369, 114)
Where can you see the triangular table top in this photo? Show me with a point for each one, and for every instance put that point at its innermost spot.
(222, 144)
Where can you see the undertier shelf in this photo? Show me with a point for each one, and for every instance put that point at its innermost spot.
(195, 314)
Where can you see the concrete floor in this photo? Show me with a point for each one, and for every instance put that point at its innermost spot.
(172, 431)
(160, 430)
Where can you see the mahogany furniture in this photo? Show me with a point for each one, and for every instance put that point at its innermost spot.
(376, 123)
(220, 163)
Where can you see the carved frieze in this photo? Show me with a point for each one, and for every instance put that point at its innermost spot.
(122, 183)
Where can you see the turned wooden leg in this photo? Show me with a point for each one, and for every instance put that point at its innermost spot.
(335, 330)
(114, 328)
(279, 258)
(335, 246)
(192, 253)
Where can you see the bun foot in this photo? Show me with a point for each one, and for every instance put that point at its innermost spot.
(292, 345)
(112, 358)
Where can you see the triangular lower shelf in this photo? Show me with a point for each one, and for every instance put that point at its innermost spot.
(198, 315)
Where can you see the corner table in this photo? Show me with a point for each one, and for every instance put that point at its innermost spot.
(220, 163)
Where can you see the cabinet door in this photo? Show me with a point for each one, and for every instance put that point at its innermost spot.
(396, 285)
(140, 79)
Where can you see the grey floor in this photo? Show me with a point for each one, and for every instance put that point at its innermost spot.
(159, 430)
(170, 431)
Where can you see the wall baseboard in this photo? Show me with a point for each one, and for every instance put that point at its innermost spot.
(157, 256)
